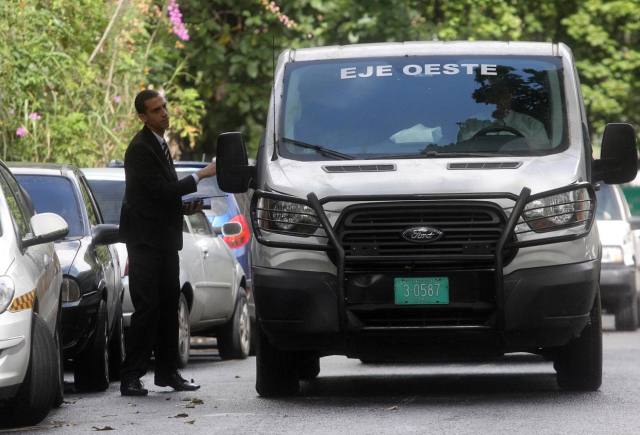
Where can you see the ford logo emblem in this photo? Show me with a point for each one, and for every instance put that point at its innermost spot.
(422, 234)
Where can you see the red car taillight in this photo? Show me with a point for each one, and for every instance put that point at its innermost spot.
(239, 240)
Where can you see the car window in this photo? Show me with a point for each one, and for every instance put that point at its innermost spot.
(209, 186)
(17, 210)
(608, 208)
(200, 224)
(92, 213)
(109, 194)
(55, 194)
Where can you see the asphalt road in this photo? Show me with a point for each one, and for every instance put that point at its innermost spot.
(517, 395)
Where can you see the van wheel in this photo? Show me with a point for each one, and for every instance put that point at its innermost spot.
(579, 363)
(234, 341)
(91, 368)
(276, 373)
(627, 315)
(308, 366)
(184, 332)
(116, 347)
(37, 393)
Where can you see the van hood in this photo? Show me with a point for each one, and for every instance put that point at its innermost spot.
(613, 233)
(424, 176)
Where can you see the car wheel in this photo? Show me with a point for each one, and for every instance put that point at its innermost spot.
(234, 341)
(60, 386)
(184, 332)
(308, 366)
(91, 368)
(276, 370)
(116, 347)
(37, 393)
(627, 315)
(579, 363)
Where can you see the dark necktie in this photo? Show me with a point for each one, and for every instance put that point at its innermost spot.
(165, 151)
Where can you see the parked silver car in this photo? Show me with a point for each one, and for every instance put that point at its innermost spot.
(213, 300)
(31, 380)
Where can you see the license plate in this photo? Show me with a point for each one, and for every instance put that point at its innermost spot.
(421, 291)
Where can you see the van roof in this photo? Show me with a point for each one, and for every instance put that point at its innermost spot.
(426, 48)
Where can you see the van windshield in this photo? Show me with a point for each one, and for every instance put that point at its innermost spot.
(421, 107)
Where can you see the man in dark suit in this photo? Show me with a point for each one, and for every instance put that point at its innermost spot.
(151, 226)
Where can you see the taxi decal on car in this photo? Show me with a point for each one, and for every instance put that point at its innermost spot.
(24, 302)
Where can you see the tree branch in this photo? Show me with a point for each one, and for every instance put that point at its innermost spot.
(107, 30)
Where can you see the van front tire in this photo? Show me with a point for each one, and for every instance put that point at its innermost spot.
(276, 370)
(579, 363)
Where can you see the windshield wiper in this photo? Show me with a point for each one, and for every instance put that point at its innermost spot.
(319, 149)
(429, 154)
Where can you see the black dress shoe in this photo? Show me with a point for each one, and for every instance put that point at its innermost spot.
(175, 381)
(132, 387)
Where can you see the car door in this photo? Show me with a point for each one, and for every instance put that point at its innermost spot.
(38, 261)
(105, 255)
(191, 271)
(218, 265)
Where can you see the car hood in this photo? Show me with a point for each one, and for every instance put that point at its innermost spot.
(67, 251)
(613, 233)
(423, 176)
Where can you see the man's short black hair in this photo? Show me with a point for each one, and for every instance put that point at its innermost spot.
(142, 97)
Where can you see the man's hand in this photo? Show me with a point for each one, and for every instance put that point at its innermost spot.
(192, 207)
(207, 171)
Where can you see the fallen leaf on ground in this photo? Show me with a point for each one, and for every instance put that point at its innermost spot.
(181, 415)
(97, 428)
(189, 405)
(197, 401)
(392, 408)
(190, 422)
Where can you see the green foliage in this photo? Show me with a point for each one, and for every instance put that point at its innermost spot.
(53, 62)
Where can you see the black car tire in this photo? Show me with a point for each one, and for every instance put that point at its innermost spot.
(37, 393)
(579, 363)
(116, 346)
(91, 367)
(234, 340)
(58, 338)
(184, 332)
(627, 315)
(308, 366)
(276, 370)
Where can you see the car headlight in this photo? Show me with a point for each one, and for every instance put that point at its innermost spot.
(7, 290)
(287, 217)
(562, 210)
(612, 254)
(70, 290)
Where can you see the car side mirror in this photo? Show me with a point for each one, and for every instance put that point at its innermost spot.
(228, 229)
(618, 156)
(105, 234)
(47, 227)
(233, 171)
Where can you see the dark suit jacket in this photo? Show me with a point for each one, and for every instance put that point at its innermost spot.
(152, 208)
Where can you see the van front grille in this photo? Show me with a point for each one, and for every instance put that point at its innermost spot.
(372, 235)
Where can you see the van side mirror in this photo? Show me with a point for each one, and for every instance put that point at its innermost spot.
(105, 234)
(618, 157)
(233, 170)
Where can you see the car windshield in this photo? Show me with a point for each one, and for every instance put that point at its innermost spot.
(422, 107)
(607, 205)
(55, 194)
(209, 187)
(109, 194)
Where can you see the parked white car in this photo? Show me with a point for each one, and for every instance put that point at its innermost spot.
(619, 273)
(213, 300)
(31, 377)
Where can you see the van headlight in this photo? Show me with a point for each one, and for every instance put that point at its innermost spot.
(559, 211)
(7, 290)
(612, 254)
(70, 290)
(286, 217)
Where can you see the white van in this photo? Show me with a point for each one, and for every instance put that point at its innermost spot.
(426, 200)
